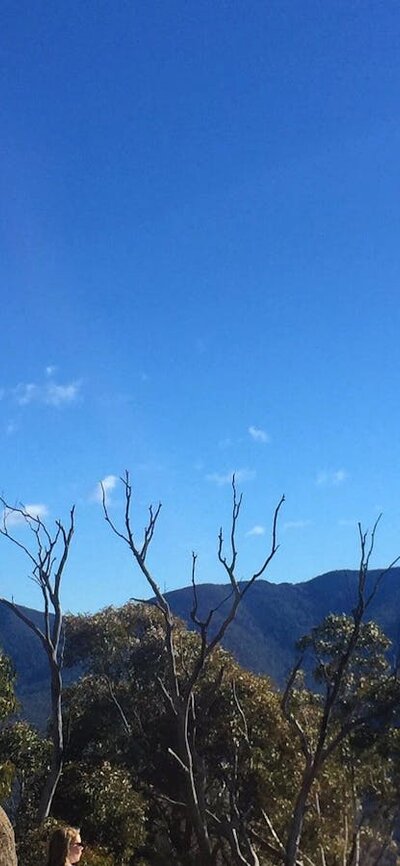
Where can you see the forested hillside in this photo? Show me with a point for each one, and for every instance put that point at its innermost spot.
(273, 616)
(262, 638)
(255, 749)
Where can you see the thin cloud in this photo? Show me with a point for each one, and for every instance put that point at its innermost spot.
(331, 479)
(220, 479)
(47, 394)
(339, 476)
(244, 475)
(296, 524)
(258, 435)
(50, 370)
(256, 530)
(60, 395)
(10, 428)
(107, 484)
(15, 518)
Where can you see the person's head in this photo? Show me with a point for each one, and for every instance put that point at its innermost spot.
(65, 847)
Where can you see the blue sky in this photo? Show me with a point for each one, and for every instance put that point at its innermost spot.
(199, 272)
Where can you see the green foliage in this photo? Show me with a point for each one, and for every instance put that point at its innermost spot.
(97, 856)
(124, 654)
(29, 755)
(6, 780)
(8, 705)
(24, 746)
(118, 713)
(367, 690)
(8, 701)
(33, 844)
(103, 801)
(352, 710)
(122, 785)
(331, 639)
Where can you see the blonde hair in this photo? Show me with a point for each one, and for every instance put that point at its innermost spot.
(59, 845)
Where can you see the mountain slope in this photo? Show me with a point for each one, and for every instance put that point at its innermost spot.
(273, 616)
(30, 662)
(270, 620)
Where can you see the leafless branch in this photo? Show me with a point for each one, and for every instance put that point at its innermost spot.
(328, 737)
(378, 581)
(272, 830)
(179, 761)
(170, 800)
(193, 612)
(18, 612)
(241, 713)
(167, 696)
(115, 701)
(44, 574)
(180, 695)
(290, 683)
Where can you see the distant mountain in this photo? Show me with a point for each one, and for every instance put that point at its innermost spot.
(30, 663)
(273, 616)
(270, 620)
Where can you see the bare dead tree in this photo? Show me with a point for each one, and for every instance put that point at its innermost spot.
(332, 732)
(48, 559)
(210, 830)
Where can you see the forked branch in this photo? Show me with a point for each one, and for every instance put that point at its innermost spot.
(47, 548)
(179, 691)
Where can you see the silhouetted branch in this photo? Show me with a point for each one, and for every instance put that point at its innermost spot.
(48, 579)
(180, 695)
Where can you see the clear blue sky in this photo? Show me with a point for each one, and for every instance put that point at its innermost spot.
(200, 269)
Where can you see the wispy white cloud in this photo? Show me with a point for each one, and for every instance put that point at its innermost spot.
(47, 394)
(59, 395)
(50, 370)
(256, 530)
(107, 484)
(34, 509)
(296, 524)
(25, 394)
(220, 479)
(331, 479)
(244, 475)
(258, 435)
(10, 428)
(339, 476)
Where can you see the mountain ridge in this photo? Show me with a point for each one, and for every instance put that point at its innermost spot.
(270, 619)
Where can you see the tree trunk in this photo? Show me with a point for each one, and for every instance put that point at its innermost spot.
(56, 726)
(296, 826)
(198, 820)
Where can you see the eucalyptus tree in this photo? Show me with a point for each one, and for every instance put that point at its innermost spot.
(8, 705)
(117, 714)
(47, 555)
(357, 687)
(213, 833)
